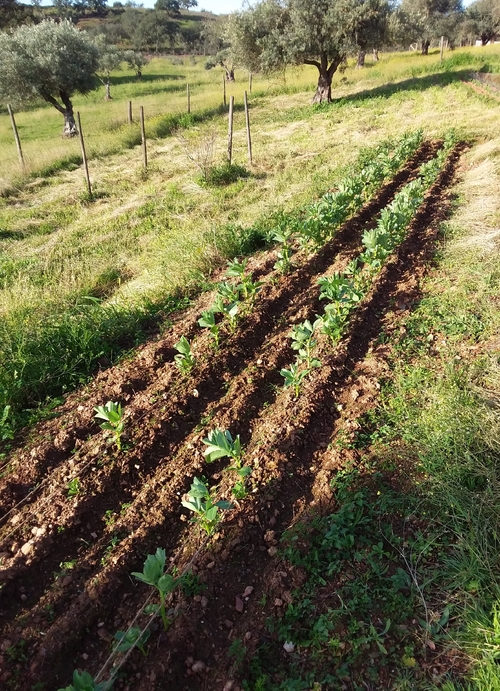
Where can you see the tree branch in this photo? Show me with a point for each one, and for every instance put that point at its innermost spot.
(312, 62)
(50, 99)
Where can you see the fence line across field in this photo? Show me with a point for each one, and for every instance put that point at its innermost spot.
(129, 111)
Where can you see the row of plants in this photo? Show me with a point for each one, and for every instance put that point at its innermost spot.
(344, 290)
(320, 220)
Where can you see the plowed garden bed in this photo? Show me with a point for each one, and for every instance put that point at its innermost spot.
(66, 562)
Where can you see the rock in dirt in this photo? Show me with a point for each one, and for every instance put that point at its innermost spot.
(272, 551)
(248, 591)
(27, 548)
(228, 686)
(198, 666)
(239, 604)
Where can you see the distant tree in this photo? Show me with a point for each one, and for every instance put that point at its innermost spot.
(423, 20)
(484, 16)
(218, 33)
(66, 9)
(14, 14)
(51, 61)
(188, 4)
(155, 32)
(110, 59)
(171, 7)
(367, 25)
(136, 61)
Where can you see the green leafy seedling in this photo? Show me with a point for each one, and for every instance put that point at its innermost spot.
(247, 287)
(230, 310)
(85, 682)
(304, 343)
(153, 574)
(220, 443)
(184, 360)
(207, 321)
(294, 377)
(74, 488)
(133, 637)
(112, 414)
(201, 503)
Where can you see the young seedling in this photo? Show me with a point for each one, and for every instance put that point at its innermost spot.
(207, 321)
(74, 488)
(84, 682)
(153, 574)
(184, 360)
(220, 444)
(201, 503)
(112, 414)
(227, 302)
(294, 377)
(304, 343)
(283, 265)
(247, 287)
(133, 637)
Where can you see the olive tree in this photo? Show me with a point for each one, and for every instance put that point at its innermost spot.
(110, 59)
(276, 33)
(48, 61)
(485, 18)
(424, 20)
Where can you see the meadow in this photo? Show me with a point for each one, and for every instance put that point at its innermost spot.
(386, 453)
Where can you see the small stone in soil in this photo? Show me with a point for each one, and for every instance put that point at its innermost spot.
(228, 623)
(248, 591)
(198, 666)
(272, 551)
(239, 604)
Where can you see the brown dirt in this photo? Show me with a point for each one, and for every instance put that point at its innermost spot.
(66, 585)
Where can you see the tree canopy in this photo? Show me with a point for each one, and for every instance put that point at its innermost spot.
(277, 33)
(49, 61)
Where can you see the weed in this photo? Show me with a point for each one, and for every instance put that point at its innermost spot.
(224, 174)
(114, 422)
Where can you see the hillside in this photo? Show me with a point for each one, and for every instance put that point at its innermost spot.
(351, 353)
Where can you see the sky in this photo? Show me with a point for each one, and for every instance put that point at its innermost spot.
(215, 6)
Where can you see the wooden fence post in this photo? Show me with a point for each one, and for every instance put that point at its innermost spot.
(442, 49)
(84, 155)
(230, 131)
(249, 138)
(130, 120)
(249, 82)
(16, 136)
(189, 99)
(143, 138)
(224, 89)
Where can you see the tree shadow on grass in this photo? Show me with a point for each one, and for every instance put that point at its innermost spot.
(406, 85)
(132, 79)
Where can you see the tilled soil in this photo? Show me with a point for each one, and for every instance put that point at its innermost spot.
(66, 562)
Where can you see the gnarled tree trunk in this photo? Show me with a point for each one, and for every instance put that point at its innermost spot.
(69, 129)
(66, 110)
(361, 59)
(425, 47)
(107, 87)
(324, 88)
(375, 55)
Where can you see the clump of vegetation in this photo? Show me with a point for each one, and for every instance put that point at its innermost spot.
(133, 637)
(114, 422)
(200, 501)
(208, 321)
(185, 359)
(85, 682)
(154, 575)
(224, 174)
